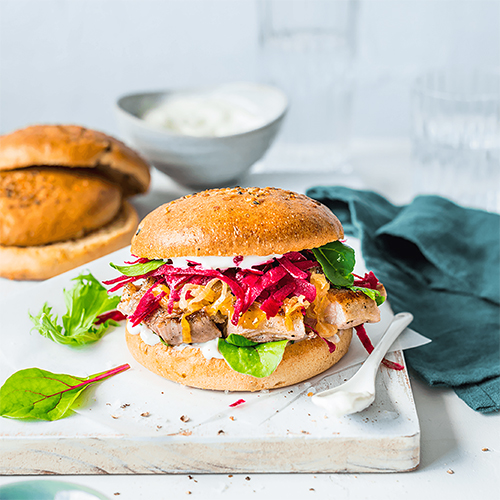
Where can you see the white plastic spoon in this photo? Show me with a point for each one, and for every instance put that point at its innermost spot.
(359, 391)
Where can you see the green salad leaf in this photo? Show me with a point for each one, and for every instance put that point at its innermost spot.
(251, 358)
(373, 294)
(34, 393)
(337, 261)
(240, 341)
(138, 269)
(84, 303)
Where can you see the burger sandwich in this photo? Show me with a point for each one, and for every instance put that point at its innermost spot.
(63, 193)
(242, 290)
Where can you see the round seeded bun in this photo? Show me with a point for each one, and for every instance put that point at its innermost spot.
(61, 198)
(301, 361)
(45, 261)
(236, 221)
(49, 204)
(74, 146)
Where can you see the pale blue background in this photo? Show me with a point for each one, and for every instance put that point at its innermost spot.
(67, 60)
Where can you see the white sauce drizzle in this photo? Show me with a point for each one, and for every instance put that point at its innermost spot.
(148, 336)
(133, 330)
(208, 349)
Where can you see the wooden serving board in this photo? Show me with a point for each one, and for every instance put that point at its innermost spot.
(298, 437)
(139, 423)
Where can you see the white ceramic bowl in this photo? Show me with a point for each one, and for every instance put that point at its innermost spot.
(202, 162)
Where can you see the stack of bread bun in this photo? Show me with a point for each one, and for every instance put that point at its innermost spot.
(63, 198)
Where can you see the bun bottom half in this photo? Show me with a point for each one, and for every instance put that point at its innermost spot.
(46, 261)
(301, 361)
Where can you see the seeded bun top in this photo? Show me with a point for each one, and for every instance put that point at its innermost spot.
(235, 221)
(75, 146)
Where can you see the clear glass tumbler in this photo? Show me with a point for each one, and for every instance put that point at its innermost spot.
(307, 49)
(456, 136)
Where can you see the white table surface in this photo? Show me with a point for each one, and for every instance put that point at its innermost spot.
(452, 435)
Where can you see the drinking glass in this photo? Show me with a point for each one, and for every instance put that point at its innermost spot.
(456, 136)
(307, 49)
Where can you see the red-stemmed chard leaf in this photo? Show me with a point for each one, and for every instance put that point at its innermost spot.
(34, 393)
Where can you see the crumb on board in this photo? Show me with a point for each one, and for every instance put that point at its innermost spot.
(145, 414)
(450, 471)
(232, 418)
(185, 418)
(309, 394)
(247, 478)
(220, 432)
(485, 449)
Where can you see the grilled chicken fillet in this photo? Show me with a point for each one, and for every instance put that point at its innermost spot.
(349, 308)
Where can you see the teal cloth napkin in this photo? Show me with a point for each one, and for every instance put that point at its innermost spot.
(441, 262)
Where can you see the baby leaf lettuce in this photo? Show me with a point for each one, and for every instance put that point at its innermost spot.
(337, 261)
(251, 358)
(138, 269)
(84, 303)
(373, 294)
(34, 393)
